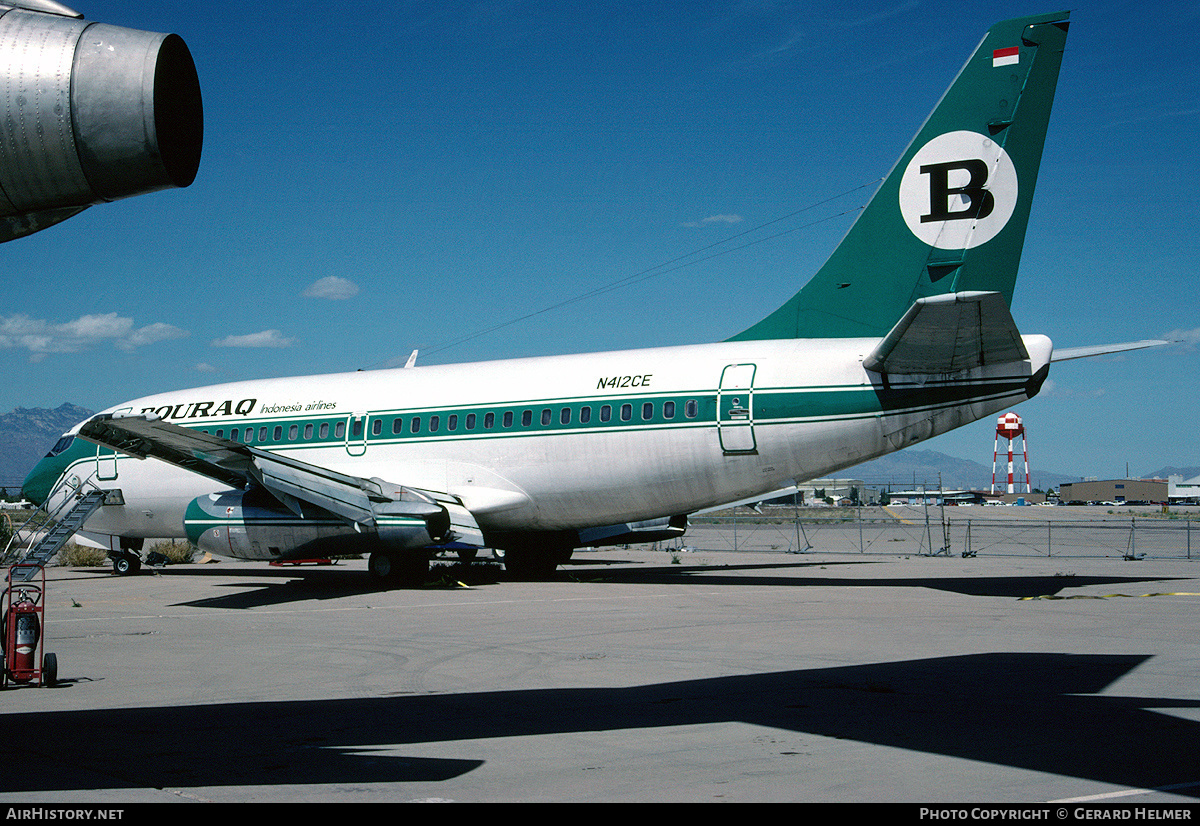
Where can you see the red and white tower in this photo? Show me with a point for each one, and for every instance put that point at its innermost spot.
(1008, 427)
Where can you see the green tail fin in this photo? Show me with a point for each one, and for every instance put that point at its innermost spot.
(952, 214)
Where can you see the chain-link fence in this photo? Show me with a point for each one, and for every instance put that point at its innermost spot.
(945, 531)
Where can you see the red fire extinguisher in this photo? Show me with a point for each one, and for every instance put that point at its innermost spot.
(24, 630)
(21, 630)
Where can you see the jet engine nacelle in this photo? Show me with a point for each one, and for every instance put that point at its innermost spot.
(254, 525)
(91, 113)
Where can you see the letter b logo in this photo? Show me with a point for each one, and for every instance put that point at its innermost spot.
(980, 202)
(958, 191)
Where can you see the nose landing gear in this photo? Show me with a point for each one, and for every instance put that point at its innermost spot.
(128, 560)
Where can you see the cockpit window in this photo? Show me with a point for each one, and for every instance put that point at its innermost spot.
(61, 445)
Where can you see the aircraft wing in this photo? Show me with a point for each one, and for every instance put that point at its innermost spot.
(356, 500)
(220, 459)
(948, 333)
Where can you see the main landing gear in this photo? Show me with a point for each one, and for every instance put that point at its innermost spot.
(533, 564)
(399, 568)
(522, 563)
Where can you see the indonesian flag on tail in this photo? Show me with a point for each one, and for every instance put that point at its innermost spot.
(1005, 57)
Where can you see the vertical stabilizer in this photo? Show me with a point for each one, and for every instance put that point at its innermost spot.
(952, 214)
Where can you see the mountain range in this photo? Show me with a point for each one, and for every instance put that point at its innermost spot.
(27, 433)
(914, 468)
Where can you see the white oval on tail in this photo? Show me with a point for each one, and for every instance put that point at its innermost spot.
(958, 191)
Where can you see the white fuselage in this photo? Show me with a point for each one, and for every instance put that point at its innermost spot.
(573, 441)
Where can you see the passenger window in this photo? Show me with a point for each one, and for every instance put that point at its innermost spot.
(415, 427)
(585, 415)
(339, 431)
(668, 410)
(626, 412)
(377, 427)
(508, 418)
(526, 418)
(277, 434)
(308, 432)
(470, 421)
(233, 434)
(434, 421)
(489, 420)
(647, 411)
(324, 431)
(564, 417)
(293, 432)
(691, 409)
(262, 434)
(605, 413)
(546, 417)
(452, 422)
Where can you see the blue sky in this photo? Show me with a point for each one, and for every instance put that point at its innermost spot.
(383, 177)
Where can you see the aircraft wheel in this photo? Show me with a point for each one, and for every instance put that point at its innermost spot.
(126, 564)
(531, 564)
(380, 566)
(408, 569)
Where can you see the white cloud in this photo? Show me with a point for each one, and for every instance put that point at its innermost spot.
(267, 338)
(42, 338)
(1056, 391)
(333, 287)
(714, 219)
(1188, 338)
(150, 334)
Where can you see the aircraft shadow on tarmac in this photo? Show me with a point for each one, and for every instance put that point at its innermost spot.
(283, 586)
(1041, 712)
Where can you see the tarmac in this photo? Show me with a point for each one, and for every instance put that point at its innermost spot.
(632, 676)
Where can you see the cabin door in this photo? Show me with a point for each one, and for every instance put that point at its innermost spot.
(356, 434)
(735, 409)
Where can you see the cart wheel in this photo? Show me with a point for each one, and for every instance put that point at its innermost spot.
(50, 670)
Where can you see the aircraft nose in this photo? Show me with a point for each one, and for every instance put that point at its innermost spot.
(46, 473)
(41, 480)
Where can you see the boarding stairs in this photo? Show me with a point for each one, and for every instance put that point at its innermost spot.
(66, 518)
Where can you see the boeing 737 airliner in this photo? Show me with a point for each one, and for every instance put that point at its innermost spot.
(905, 333)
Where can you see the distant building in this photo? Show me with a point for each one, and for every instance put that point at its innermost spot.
(1114, 490)
(936, 497)
(1183, 492)
(1014, 498)
(841, 491)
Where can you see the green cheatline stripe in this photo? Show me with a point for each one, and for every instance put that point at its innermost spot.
(216, 522)
(771, 406)
(308, 523)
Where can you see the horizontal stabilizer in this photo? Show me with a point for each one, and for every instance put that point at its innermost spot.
(950, 333)
(1068, 353)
